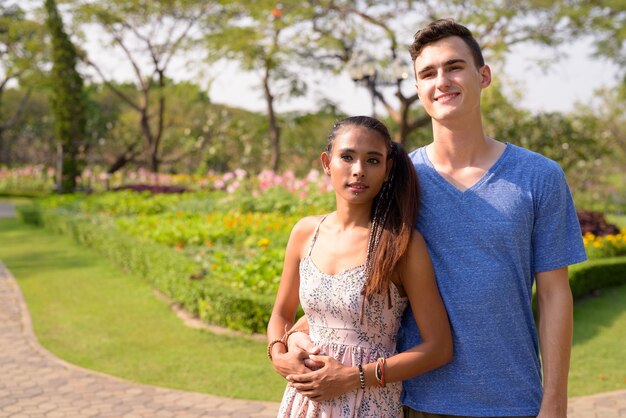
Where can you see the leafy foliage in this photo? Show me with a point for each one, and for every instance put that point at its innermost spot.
(595, 223)
(21, 58)
(68, 101)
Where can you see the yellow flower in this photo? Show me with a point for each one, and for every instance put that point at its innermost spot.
(263, 242)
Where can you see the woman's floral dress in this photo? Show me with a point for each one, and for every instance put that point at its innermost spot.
(353, 332)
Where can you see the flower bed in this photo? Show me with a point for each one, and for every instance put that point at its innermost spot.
(604, 246)
(219, 253)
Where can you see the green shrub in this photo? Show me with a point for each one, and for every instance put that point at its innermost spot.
(593, 275)
(172, 273)
(30, 214)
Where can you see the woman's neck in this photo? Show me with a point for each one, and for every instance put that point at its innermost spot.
(348, 216)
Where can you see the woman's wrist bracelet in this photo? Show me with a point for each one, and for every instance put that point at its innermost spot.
(361, 377)
(379, 371)
(271, 344)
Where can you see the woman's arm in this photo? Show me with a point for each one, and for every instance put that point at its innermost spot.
(418, 280)
(286, 303)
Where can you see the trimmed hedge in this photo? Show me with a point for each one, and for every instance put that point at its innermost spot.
(593, 275)
(166, 270)
(176, 275)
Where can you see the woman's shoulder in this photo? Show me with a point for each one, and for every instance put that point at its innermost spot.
(305, 226)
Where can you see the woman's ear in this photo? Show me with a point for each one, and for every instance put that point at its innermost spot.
(325, 162)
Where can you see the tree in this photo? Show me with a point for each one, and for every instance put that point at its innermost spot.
(149, 35)
(30, 140)
(68, 102)
(198, 136)
(263, 37)
(21, 54)
(384, 29)
(605, 23)
(607, 109)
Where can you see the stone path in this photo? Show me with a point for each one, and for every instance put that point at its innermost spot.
(6, 210)
(34, 383)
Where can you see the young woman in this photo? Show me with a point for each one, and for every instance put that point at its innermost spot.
(353, 271)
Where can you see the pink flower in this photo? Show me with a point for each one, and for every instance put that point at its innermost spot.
(232, 187)
(240, 173)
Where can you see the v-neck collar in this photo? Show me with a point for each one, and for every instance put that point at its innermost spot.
(478, 182)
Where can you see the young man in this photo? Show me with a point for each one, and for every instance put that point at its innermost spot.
(496, 219)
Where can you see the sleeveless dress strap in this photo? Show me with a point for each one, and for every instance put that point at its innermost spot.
(317, 229)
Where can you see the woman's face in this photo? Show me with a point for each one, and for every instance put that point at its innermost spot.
(358, 164)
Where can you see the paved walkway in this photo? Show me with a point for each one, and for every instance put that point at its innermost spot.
(6, 210)
(34, 383)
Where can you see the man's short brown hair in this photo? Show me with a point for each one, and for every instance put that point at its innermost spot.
(444, 28)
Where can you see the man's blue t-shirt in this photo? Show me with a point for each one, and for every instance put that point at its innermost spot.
(486, 244)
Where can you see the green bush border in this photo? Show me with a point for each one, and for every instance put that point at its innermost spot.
(592, 275)
(173, 274)
(166, 270)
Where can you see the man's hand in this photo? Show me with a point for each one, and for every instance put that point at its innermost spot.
(300, 341)
(553, 410)
(330, 381)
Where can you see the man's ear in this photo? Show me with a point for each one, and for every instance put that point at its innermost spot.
(325, 158)
(485, 76)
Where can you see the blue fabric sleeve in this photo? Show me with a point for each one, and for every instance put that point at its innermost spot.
(556, 236)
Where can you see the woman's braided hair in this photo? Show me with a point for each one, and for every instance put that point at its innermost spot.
(394, 210)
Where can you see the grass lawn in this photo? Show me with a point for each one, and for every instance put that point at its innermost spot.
(90, 314)
(599, 351)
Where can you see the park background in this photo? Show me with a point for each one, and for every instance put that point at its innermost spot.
(178, 142)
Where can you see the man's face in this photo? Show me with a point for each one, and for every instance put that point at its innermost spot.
(448, 82)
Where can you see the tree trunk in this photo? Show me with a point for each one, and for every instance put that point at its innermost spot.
(59, 168)
(403, 126)
(273, 124)
(150, 144)
(4, 157)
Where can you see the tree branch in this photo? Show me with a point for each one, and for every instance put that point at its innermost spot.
(113, 88)
(129, 55)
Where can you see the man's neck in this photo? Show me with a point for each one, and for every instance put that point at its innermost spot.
(461, 145)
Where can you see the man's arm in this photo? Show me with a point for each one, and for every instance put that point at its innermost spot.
(555, 312)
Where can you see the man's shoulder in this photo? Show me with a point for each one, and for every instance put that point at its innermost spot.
(418, 157)
(531, 160)
(416, 152)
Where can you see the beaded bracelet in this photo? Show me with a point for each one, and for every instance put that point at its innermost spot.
(271, 344)
(379, 371)
(361, 376)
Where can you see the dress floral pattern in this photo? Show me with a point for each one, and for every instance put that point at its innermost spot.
(354, 332)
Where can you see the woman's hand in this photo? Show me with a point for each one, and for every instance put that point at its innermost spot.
(330, 381)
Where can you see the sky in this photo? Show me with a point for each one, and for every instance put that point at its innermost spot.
(567, 81)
